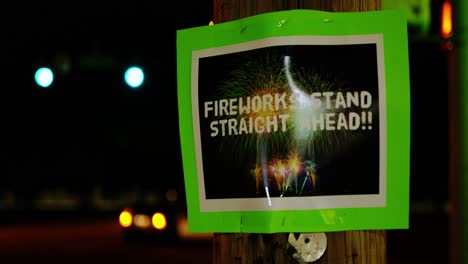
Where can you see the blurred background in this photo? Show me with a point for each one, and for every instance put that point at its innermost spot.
(81, 147)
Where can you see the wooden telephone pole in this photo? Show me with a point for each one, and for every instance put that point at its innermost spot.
(350, 247)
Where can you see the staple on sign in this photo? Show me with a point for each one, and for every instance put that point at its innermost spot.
(282, 22)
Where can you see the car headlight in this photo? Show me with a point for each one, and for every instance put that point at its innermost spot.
(159, 221)
(126, 218)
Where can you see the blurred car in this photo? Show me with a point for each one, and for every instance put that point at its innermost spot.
(160, 219)
(152, 216)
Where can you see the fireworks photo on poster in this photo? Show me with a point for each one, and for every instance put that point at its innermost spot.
(290, 123)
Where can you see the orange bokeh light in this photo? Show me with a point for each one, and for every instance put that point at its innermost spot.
(159, 221)
(446, 27)
(125, 218)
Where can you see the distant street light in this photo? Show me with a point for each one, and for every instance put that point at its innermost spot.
(134, 77)
(44, 77)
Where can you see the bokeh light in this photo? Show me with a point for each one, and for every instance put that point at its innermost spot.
(44, 77)
(134, 77)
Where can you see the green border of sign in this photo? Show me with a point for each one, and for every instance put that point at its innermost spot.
(392, 25)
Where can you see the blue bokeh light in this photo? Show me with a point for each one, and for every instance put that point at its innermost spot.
(44, 77)
(134, 77)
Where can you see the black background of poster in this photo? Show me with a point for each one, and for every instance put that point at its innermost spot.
(353, 169)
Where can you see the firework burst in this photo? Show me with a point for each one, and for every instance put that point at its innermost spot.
(258, 76)
(266, 73)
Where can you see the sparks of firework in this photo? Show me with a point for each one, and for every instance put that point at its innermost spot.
(268, 72)
(289, 171)
(266, 111)
(310, 169)
(294, 162)
(293, 165)
(257, 173)
(260, 74)
(279, 171)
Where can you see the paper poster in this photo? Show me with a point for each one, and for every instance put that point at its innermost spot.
(296, 121)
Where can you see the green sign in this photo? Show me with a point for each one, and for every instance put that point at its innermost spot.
(296, 121)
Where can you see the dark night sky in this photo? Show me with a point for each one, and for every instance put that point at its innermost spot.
(88, 127)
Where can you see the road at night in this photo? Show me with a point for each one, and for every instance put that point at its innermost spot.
(89, 241)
